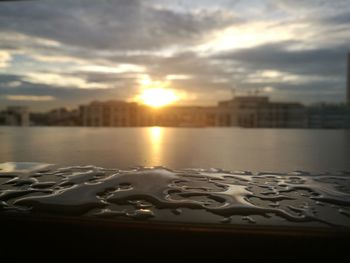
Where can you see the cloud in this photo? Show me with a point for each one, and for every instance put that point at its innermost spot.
(61, 80)
(251, 34)
(70, 97)
(310, 7)
(119, 68)
(5, 58)
(279, 56)
(304, 75)
(177, 76)
(112, 25)
(29, 98)
(13, 84)
(78, 51)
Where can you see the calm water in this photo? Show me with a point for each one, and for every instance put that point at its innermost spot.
(278, 150)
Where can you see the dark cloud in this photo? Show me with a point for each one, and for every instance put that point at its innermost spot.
(116, 25)
(96, 77)
(311, 6)
(280, 57)
(5, 79)
(335, 20)
(323, 70)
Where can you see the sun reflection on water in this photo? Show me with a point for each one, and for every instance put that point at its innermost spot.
(156, 138)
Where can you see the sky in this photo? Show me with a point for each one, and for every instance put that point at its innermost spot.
(65, 53)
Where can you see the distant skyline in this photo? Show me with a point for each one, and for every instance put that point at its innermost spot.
(65, 53)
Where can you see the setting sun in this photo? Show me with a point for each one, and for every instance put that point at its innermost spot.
(158, 97)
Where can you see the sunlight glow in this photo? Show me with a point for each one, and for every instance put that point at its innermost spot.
(158, 97)
(5, 58)
(156, 93)
(120, 68)
(249, 35)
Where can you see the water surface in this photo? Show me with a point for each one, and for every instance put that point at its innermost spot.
(276, 150)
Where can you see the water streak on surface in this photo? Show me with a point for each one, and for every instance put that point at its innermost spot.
(158, 193)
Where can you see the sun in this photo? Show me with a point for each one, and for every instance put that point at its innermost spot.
(158, 97)
(156, 93)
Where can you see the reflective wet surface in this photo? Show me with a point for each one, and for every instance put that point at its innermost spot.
(187, 195)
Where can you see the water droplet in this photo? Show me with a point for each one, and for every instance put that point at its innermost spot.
(80, 190)
(226, 220)
(176, 211)
(249, 219)
(141, 214)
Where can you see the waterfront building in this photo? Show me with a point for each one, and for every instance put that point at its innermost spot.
(328, 116)
(109, 113)
(56, 117)
(16, 116)
(247, 111)
(183, 116)
(259, 112)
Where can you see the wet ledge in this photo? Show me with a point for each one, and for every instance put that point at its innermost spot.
(168, 206)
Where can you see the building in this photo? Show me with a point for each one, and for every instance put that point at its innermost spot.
(246, 111)
(328, 116)
(16, 116)
(63, 117)
(331, 116)
(183, 116)
(56, 117)
(259, 112)
(171, 116)
(109, 113)
(118, 113)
